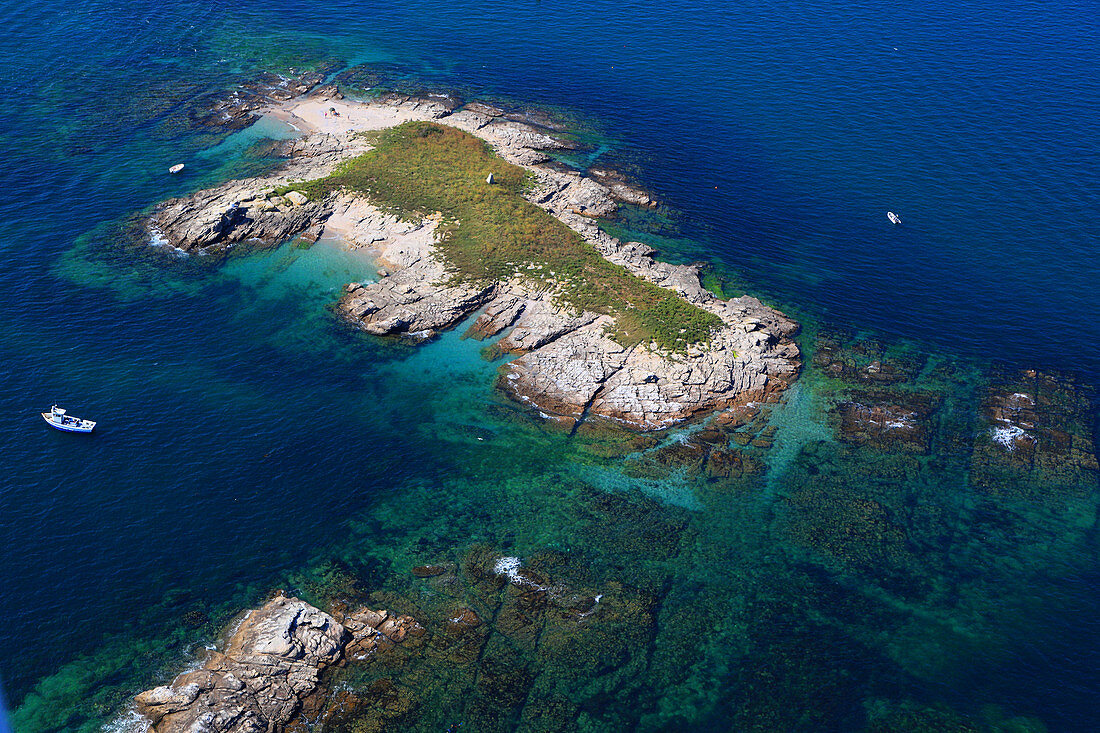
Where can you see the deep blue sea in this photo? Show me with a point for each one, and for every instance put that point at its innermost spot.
(246, 436)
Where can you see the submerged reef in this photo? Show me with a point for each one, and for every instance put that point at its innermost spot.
(491, 623)
(241, 106)
(799, 565)
(834, 594)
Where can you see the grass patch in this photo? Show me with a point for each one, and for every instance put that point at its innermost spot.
(491, 233)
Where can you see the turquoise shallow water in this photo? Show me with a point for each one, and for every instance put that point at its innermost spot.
(247, 438)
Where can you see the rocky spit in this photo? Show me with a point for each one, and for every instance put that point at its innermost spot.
(271, 664)
(240, 107)
(567, 366)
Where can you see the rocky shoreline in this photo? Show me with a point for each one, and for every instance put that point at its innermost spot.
(568, 367)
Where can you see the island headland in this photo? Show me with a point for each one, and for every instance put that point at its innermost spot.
(468, 213)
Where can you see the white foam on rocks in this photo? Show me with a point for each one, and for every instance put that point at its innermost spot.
(128, 722)
(1006, 436)
(508, 567)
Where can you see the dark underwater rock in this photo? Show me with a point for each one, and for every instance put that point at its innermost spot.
(399, 81)
(503, 640)
(888, 421)
(723, 463)
(430, 571)
(608, 439)
(236, 109)
(864, 361)
(1037, 443)
(537, 117)
(621, 188)
(686, 455)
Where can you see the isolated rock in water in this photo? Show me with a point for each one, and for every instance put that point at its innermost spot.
(888, 421)
(270, 664)
(1038, 441)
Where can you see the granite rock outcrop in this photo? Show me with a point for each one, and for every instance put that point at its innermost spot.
(271, 663)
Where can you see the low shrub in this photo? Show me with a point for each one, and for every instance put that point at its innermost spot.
(491, 233)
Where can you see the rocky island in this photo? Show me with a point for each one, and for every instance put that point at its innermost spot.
(468, 214)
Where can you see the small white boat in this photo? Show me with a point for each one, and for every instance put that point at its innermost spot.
(176, 168)
(60, 419)
(894, 218)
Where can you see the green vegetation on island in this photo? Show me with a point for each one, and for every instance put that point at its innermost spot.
(491, 233)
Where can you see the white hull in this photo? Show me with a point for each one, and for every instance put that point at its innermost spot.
(68, 424)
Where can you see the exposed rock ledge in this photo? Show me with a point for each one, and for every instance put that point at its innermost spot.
(271, 663)
(568, 367)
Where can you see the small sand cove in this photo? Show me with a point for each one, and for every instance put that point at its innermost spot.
(315, 115)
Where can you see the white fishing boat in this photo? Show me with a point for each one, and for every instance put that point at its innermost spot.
(894, 218)
(176, 168)
(62, 420)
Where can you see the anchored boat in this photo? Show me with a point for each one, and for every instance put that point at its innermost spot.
(894, 218)
(62, 420)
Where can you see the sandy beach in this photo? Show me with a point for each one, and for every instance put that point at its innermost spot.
(316, 115)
